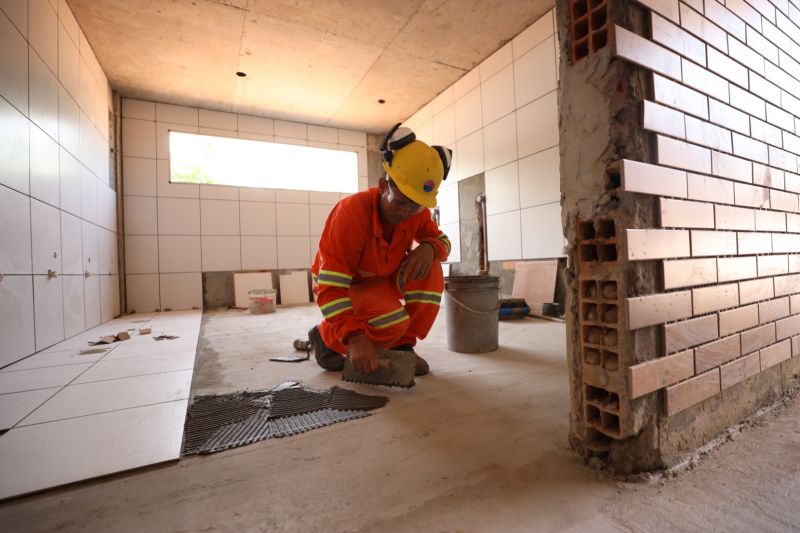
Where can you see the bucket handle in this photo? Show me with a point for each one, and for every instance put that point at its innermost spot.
(471, 310)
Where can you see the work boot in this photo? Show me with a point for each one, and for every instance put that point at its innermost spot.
(420, 365)
(326, 357)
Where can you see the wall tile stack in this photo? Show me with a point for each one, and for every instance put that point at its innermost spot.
(725, 116)
(176, 231)
(501, 119)
(57, 209)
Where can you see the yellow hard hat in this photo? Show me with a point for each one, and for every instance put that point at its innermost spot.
(416, 168)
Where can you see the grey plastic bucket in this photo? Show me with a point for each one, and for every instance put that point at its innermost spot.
(471, 304)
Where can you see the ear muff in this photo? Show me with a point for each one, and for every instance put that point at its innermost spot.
(446, 154)
(396, 139)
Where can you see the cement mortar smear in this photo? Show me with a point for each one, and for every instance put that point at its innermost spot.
(216, 423)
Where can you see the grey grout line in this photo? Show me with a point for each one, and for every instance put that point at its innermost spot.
(98, 413)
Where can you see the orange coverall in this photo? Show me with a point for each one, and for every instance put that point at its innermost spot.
(356, 275)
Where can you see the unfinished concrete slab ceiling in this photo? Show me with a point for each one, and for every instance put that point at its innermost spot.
(679, 169)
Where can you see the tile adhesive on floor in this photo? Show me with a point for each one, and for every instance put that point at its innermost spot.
(216, 423)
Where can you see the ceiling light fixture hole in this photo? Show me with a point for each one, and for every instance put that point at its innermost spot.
(241, 74)
(381, 101)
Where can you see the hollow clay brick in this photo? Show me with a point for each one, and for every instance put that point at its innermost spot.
(754, 243)
(755, 339)
(736, 268)
(773, 265)
(729, 217)
(738, 319)
(685, 214)
(755, 290)
(656, 244)
(660, 373)
(646, 53)
(710, 189)
(787, 327)
(658, 308)
(688, 272)
(772, 310)
(740, 369)
(716, 353)
(653, 179)
(690, 333)
(707, 299)
(705, 243)
(776, 353)
(692, 391)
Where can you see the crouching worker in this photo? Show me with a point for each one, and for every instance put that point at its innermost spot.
(366, 265)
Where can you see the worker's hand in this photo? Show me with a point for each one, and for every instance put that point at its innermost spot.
(418, 263)
(362, 353)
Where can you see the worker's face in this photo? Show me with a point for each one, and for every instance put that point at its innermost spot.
(395, 206)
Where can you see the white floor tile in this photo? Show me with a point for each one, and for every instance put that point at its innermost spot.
(15, 407)
(120, 440)
(40, 378)
(137, 366)
(67, 357)
(112, 395)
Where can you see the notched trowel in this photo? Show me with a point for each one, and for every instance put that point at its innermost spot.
(395, 369)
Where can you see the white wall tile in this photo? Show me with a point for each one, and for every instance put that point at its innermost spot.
(313, 247)
(318, 214)
(141, 215)
(292, 219)
(257, 218)
(109, 297)
(138, 138)
(221, 254)
(43, 95)
(453, 233)
(503, 236)
(500, 142)
(352, 138)
(163, 130)
(470, 155)
(69, 183)
(68, 62)
(167, 189)
(293, 288)
(444, 127)
(468, 113)
(176, 114)
(219, 192)
(182, 291)
(293, 130)
(293, 252)
(88, 195)
(44, 170)
(442, 101)
(502, 189)
(217, 119)
(537, 125)
(424, 133)
(178, 254)
(141, 254)
(535, 73)
(143, 293)
(542, 236)
(138, 109)
(45, 237)
(14, 148)
(323, 198)
(447, 198)
(16, 318)
(261, 125)
(71, 245)
(259, 253)
(322, 133)
(107, 249)
(178, 216)
(256, 194)
(497, 95)
(91, 301)
(533, 35)
(69, 120)
(495, 62)
(539, 178)
(91, 250)
(291, 197)
(43, 31)
(15, 232)
(13, 65)
(219, 217)
(361, 154)
(139, 175)
(48, 306)
(74, 321)
(466, 83)
(17, 12)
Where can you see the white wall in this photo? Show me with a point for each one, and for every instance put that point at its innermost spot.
(174, 232)
(502, 119)
(57, 211)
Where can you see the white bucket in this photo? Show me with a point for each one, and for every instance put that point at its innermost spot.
(262, 301)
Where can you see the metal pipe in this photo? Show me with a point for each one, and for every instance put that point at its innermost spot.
(483, 247)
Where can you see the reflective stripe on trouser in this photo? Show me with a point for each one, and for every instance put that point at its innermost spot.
(389, 323)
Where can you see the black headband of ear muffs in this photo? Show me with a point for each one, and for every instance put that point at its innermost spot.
(388, 146)
(446, 155)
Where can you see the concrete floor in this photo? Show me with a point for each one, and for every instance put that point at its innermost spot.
(478, 445)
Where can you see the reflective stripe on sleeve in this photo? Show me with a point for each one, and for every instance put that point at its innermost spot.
(444, 240)
(331, 309)
(423, 297)
(389, 319)
(335, 279)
